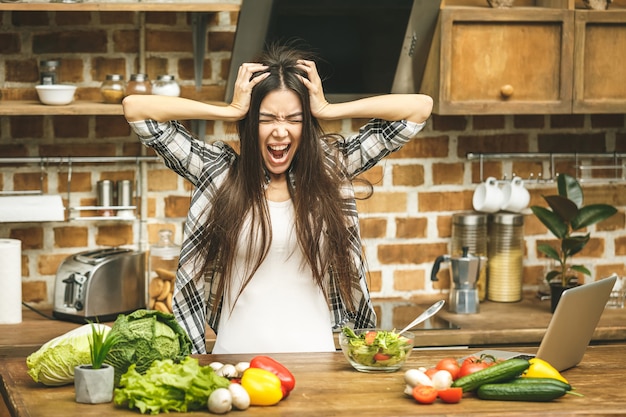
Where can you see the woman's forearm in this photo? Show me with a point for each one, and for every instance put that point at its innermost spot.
(165, 108)
(414, 107)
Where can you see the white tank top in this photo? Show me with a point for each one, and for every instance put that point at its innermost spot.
(281, 309)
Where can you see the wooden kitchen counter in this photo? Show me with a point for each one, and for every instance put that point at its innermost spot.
(522, 323)
(326, 385)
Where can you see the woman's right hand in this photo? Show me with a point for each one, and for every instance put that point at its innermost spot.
(244, 84)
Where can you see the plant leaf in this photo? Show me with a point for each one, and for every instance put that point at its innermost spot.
(562, 206)
(552, 274)
(573, 244)
(569, 188)
(551, 220)
(581, 269)
(592, 214)
(549, 251)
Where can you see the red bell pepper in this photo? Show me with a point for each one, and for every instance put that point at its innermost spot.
(287, 380)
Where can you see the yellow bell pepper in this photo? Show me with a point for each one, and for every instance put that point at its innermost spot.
(263, 386)
(541, 369)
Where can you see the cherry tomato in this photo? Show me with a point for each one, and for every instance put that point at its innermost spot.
(424, 394)
(450, 365)
(381, 357)
(451, 395)
(370, 336)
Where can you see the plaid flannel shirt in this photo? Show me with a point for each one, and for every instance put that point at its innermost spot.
(206, 166)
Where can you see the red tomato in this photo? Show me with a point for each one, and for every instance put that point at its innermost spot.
(450, 365)
(451, 395)
(471, 365)
(424, 394)
(381, 357)
(430, 372)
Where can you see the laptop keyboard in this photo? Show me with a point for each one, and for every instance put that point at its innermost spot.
(527, 357)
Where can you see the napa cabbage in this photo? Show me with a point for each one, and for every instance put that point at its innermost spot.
(54, 362)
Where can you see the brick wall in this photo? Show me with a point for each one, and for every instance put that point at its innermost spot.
(405, 225)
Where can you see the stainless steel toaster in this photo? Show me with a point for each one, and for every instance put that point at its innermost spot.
(100, 284)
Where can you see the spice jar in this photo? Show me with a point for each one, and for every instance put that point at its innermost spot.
(112, 89)
(163, 264)
(166, 85)
(48, 72)
(138, 84)
(506, 253)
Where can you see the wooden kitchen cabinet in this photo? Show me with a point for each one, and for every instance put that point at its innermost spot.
(501, 61)
(599, 62)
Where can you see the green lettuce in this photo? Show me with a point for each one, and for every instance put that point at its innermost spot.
(143, 337)
(53, 363)
(168, 386)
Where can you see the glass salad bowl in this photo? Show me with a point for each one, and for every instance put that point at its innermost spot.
(375, 350)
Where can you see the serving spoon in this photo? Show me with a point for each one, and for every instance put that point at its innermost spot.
(430, 311)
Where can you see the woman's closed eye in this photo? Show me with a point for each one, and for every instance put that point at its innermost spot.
(266, 119)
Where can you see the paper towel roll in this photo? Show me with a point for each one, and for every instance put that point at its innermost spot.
(10, 281)
(31, 208)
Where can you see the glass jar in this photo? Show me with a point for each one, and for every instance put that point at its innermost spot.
(112, 89)
(138, 84)
(48, 72)
(166, 85)
(163, 265)
(506, 254)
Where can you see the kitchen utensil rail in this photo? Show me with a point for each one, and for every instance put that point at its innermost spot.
(618, 166)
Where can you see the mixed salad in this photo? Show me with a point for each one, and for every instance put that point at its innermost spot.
(377, 347)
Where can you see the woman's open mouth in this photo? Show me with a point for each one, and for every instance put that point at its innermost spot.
(278, 153)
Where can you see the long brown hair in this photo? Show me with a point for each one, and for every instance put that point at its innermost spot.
(320, 221)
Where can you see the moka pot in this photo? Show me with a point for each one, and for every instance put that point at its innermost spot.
(464, 270)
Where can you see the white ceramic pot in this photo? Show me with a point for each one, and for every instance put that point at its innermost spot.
(94, 386)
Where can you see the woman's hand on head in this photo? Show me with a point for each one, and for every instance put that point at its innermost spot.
(244, 84)
(313, 83)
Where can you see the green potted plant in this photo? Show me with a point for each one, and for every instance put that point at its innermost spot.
(565, 219)
(94, 382)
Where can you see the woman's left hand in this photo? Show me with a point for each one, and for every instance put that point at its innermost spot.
(314, 84)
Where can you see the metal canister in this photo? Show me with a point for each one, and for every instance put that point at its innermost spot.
(105, 197)
(469, 229)
(506, 254)
(124, 193)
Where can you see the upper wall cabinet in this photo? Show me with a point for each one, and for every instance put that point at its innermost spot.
(501, 61)
(599, 62)
(528, 60)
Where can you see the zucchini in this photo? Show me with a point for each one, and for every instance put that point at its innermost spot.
(502, 371)
(529, 380)
(512, 391)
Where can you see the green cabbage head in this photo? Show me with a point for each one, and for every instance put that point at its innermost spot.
(53, 364)
(144, 336)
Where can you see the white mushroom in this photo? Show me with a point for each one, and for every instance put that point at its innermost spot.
(220, 401)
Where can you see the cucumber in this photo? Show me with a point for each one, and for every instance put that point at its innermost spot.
(502, 371)
(511, 391)
(553, 381)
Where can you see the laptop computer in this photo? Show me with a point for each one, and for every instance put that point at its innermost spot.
(572, 325)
